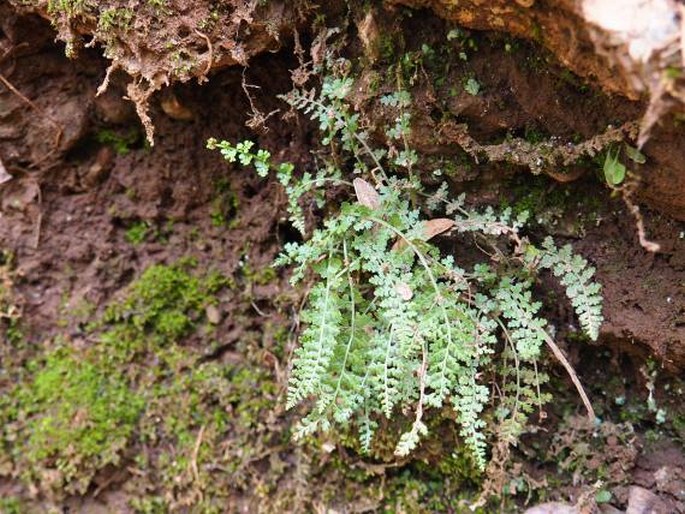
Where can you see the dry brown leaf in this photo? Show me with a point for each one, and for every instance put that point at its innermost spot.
(436, 226)
(431, 228)
(366, 194)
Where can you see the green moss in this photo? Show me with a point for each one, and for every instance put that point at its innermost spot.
(79, 417)
(137, 232)
(225, 205)
(162, 306)
(70, 7)
(78, 409)
(149, 505)
(534, 135)
(409, 491)
(207, 422)
(12, 505)
(261, 276)
(157, 4)
(559, 209)
(115, 19)
(122, 142)
(386, 47)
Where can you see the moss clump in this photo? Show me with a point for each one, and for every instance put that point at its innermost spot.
(11, 505)
(70, 8)
(115, 18)
(225, 206)
(162, 306)
(260, 276)
(78, 418)
(122, 142)
(75, 411)
(209, 424)
(136, 233)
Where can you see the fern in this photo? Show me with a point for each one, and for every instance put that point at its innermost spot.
(391, 324)
(525, 330)
(576, 276)
(317, 341)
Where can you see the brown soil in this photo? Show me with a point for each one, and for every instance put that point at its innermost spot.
(65, 214)
(67, 209)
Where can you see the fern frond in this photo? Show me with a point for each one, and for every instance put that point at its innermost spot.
(469, 404)
(525, 329)
(447, 355)
(576, 276)
(367, 428)
(318, 340)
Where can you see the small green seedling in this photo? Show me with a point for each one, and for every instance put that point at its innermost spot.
(614, 170)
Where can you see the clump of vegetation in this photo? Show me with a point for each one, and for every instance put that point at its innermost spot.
(79, 418)
(79, 409)
(69, 7)
(392, 323)
(603, 452)
(162, 307)
(115, 18)
(10, 312)
(137, 232)
(120, 142)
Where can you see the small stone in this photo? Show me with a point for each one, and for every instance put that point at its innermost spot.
(213, 314)
(553, 508)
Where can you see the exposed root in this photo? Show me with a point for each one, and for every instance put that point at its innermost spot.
(108, 74)
(257, 119)
(141, 97)
(546, 157)
(634, 209)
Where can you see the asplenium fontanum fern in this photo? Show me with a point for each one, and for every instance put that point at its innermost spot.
(392, 324)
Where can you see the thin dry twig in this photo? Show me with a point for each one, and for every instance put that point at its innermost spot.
(196, 451)
(571, 373)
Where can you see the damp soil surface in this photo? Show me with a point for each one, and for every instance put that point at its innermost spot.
(91, 206)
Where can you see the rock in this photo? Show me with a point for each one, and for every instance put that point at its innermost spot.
(553, 508)
(643, 501)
